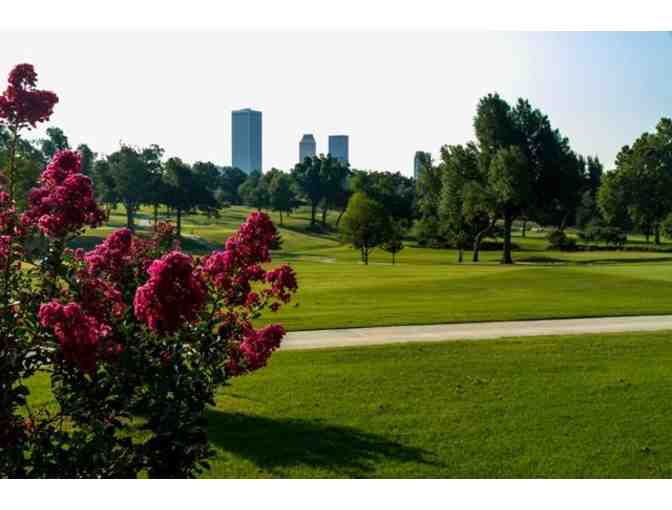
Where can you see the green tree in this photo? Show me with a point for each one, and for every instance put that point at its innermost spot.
(208, 181)
(181, 189)
(509, 178)
(365, 224)
(156, 189)
(333, 179)
(641, 182)
(128, 179)
(253, 192)
(395, 238)
(230, 181)
(319, 180)
(282, 197)
(463, 222)
(428, 193)
(54, 142)
(88, 158)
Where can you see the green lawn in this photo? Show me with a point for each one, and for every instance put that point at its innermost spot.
(582, 406)
(427, 286)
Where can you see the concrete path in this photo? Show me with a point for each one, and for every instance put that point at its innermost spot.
(471, 331)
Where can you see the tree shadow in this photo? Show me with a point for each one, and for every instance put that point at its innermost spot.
(283, 443)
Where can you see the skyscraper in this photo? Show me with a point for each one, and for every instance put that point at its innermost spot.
(419, 162)
(306, 147)
(246, 140)
(338, 148)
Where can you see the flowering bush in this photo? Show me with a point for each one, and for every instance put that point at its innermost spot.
(134, 334)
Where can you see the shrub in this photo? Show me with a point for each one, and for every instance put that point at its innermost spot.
(133, 334)
(558, 240)
(597, 233)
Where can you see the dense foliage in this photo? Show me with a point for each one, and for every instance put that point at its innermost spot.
(135, 335)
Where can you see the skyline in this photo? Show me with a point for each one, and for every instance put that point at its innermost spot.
(393, 94)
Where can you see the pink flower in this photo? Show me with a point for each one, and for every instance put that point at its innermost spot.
(283, 283)
(79, 335)
(64, 202)
(173, 295)
(21, 104)
(255, 349)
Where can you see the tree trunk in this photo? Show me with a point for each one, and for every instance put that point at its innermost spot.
(12, 162)
(506, 256)
(129, 218)
(340, 215)
(280, 218)
(365, 254)
(324, 217)
(179, 223)
(479, 239)
(313, 211)
(524, 227)
(460, 255)
(657, 234)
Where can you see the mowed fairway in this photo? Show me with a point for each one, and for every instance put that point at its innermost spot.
(574, 406)
(428, 287)
(350, 295)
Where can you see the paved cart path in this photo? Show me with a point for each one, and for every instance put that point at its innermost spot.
(471, 331)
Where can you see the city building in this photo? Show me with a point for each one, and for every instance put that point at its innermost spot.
(419, 161)
(246, 140)
(338, 148)
(306, 147)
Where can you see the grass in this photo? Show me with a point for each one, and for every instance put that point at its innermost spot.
(428, 286)
(573, 406)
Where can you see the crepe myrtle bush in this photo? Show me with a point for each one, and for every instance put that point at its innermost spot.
(135, 335)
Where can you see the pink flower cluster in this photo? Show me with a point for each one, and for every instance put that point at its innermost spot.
(64, 202)
(233, 270)
(80, 335)
(283, 284)
(21, 104)
(5, 250)
(173, 295)
(258, 346)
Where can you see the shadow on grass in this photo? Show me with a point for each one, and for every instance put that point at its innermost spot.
(284, 443)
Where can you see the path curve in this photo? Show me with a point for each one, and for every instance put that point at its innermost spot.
(471, 331)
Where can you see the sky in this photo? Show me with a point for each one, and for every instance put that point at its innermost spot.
(393, 93)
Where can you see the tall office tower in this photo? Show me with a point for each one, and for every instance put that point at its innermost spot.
(421, 158)
(246, 140)
(338, 148)
(306, 147)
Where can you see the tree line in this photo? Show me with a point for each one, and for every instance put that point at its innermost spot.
(518, 168)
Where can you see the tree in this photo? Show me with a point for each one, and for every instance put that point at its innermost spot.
(428, 192)
(464, 220)
(282, 197)
(230, 180)
(208, 182)
(88, 158)
(128, 179)
(510, 181)
(364, 224)
(320, 180)
(54, 142)
(394, 191)
(395, 239)
(333, 180)
(183, 188)
(253, 192)
(550, 173)
(156, 189)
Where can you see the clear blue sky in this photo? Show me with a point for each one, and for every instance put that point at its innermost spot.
(393, 93)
